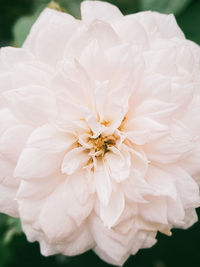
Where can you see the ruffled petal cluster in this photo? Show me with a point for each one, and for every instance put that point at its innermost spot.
(100, 131)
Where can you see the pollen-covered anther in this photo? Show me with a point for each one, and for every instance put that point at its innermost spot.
(101, 144)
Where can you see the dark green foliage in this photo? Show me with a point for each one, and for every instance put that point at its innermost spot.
(10, 11)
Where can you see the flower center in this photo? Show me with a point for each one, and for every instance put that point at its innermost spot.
(101, 144)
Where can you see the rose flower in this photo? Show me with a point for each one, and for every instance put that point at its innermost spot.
(100, 131)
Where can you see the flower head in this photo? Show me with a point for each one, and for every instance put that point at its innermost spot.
(99, 136)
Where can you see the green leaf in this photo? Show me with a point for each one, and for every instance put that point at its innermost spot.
(72, 7)
(5, 251)
(164, 6)
(189, 21)
(13, 228)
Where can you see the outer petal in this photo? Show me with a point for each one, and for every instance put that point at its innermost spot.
(187, 188)
(136, 187)
(108, 246)
(82, 242)
(155, 211)
(38, 190)
(50, 33)
(99, 10)
(111, 213)
(50, 201)
(137, 37)
(79, 242)
(97, 30)
(192, 162)
(7, 203)
(78, 211)
(35, 163)
(53, 214)
(13, 141)
(33, 105)
(50, 139)
(175, 212)
(10, 56)
(159, 25)
(162, 182)
(190, 218)
(115, 247)
(34, 73)
(144, 130)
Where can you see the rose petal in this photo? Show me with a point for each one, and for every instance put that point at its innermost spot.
(102, 182)
(74, 160)
(111, 213)
(36, 163)
(98, 10)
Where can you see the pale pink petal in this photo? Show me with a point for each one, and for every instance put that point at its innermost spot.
(136, 187)
(10, 56)
(144, 130)
(97, 30)
(81, 242)
(167, 150)
(49, 139)
(75, 160)
(6, 174)
(108, 247)
(139, 161)
(36, 163)
(118, 164)
(192, 162)
(33, 105)
(102, 182)
(33, 73)
(13, 141)
(7, 120)
(144, 240)
(94, 60)
(70, 89)
(45, 38)
(111, 212)
(93, 123)
(155, 211)
(6, 81)
(159, 25)
(190, 218)
(36, 190)
(137, 37)
(101, 94)
(8, 204)
(187, 188)
(162, 182)
(155, 109)
(78, 211)
(52, 214)
(99, 10)
(175, 212)
(81, 186)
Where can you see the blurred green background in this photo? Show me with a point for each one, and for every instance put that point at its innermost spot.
(180, 250)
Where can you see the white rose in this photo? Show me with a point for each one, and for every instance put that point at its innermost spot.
(99, 131)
